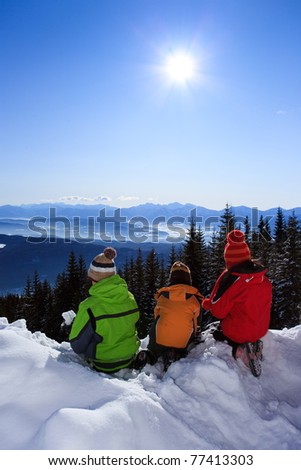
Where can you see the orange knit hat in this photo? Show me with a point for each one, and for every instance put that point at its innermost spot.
(236, 250)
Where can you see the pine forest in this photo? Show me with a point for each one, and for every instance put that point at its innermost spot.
(42, 305)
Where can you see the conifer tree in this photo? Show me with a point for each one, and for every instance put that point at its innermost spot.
(27, 300)
(261, 242)
(286, 272)
(71, 285)
(84, 283)
(216, 262)
(34, 312)
(179, 252)
(73, 282)
(27, 292)
(60, 302)
(218, 242)
(277, 270)
(265, 241)
(163, 274)
(9, 307)
(247, 229)
(280, 229)
(172, 258)
(137, 288)
(48, 308)
(136, 277)
(151, 285)
(124, 272)
(227, 224)
(195, 256)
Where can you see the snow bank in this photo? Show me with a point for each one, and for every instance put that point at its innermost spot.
(50, 399)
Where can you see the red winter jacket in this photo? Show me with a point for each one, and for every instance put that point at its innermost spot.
(242, 299)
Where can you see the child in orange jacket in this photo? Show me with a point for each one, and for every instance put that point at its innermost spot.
(176, 315)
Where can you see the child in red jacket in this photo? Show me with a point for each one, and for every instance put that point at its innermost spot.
(241, 299)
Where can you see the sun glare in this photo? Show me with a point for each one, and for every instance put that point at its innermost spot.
(180, 67)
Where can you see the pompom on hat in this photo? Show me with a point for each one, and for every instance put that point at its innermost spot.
(179, 274)
(103, 265)
(236, 250)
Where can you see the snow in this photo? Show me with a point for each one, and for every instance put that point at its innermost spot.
(68, 317)
(50, 399)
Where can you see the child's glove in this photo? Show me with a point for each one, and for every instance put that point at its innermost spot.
(206, 304)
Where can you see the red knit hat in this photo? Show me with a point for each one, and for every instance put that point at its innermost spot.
(236, 249)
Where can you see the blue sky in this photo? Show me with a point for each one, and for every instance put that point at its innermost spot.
(88, 112)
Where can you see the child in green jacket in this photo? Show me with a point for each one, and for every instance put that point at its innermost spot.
(104, 329)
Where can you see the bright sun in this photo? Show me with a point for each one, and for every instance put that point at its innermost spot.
(180, 67)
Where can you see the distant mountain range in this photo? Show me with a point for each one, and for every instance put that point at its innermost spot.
(148, 210)
(39, 237)
(156, 221)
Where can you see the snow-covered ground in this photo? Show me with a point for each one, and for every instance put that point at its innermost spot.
(49, 398)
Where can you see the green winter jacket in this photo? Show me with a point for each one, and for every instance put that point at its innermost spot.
(104, 329)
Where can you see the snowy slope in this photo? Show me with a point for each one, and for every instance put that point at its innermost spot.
(49, 399)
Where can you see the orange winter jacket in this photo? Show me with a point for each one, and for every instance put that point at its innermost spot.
(176, 312)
